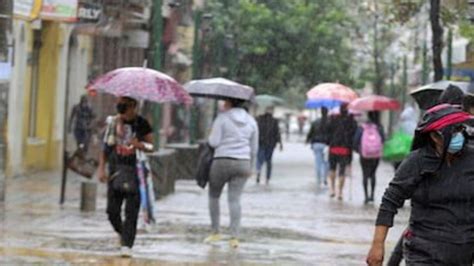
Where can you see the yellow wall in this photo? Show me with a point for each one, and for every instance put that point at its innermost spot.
(41, 153)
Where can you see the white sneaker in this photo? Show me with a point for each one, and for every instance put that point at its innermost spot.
(125, 252)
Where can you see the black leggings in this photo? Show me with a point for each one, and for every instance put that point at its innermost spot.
(369, 168)
(128, 228)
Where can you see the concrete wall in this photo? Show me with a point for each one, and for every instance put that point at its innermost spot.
(20, 82)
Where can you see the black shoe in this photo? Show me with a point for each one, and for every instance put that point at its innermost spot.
(258, 179)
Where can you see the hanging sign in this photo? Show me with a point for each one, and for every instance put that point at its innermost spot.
(87, 12)
(27, 9)
(59, 10)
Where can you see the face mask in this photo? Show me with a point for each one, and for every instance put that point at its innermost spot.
(457, 143)
(122, 108)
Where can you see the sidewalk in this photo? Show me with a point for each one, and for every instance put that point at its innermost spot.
(288, 222)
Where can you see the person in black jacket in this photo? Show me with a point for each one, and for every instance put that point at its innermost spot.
(341, 131)
(318, 138)
(455, 96)
(269, 137)
(437, 177)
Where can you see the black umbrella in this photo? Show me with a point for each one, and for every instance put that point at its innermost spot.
(428, 95)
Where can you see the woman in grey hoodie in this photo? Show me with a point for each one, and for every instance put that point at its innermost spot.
(234, 137)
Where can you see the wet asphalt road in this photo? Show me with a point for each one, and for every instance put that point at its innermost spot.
(289, 222)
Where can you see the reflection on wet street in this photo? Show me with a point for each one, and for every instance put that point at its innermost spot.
(288, 222)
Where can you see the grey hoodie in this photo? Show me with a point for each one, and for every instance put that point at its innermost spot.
(234, 135)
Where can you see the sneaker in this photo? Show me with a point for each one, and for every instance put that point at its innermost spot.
(234, 243)
(126, 252)
(213, 238)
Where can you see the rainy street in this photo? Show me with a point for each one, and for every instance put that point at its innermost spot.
(127, 128)
(287, 222)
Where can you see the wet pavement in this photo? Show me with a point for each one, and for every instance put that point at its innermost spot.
(288, 222)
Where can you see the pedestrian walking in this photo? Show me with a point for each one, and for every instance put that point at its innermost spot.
(80, 123)
(436, 177)
(126, 133)
(269, 137)
(454, 96)
(318, 139)
(301, 123)
(341, 131)
(234, 137)
(368, 142)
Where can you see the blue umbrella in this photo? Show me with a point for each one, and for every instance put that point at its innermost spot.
(328, 103)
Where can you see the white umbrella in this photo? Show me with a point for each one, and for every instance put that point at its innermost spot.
(219, 88)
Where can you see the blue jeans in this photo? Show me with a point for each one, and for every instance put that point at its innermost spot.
(321, 164)
(265, 155)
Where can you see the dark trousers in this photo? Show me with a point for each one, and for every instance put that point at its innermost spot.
(126, 229)
(83, 137)
(264, 156)
(420, 251)
(369, 168)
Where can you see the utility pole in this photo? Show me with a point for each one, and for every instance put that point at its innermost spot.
(197, 72)
(449, 70)
(425, 66)
(404, 79)
(157, 27)
(6, 7)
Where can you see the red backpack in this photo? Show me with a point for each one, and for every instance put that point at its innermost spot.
(371, 145)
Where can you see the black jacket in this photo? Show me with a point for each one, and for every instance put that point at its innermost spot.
(442, 196)
(318, 132)
(269, 131)
(341, 131)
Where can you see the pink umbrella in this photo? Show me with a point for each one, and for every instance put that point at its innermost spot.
(374, 103)
(332, 91)
(142, 84)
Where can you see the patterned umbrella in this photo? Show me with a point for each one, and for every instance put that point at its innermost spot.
(332, 91)
(374, 103)
(220, 88)
(142, 84)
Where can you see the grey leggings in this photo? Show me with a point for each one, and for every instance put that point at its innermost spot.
(234, 172)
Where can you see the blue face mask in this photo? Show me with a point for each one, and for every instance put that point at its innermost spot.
(457, 143)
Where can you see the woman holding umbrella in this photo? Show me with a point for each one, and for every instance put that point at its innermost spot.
(234, 137)
(340, 129)
(368, 142)
(370, 137)
(126, 137)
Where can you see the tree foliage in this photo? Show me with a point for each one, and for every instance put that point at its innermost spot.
(281, 45)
